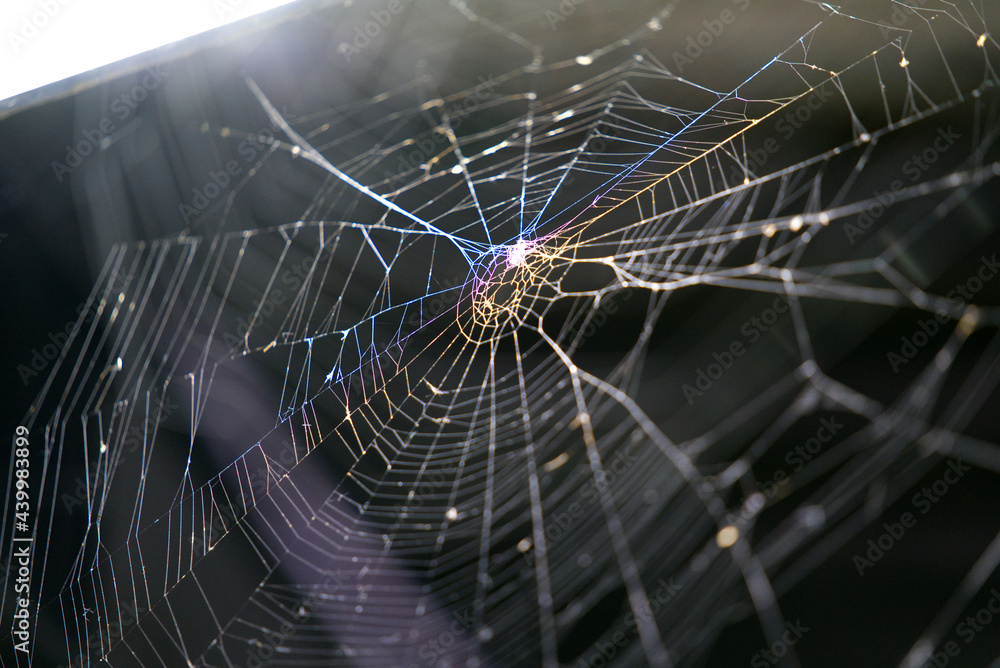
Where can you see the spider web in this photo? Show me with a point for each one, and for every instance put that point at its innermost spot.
(513, 386)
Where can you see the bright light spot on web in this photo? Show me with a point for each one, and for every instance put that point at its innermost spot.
(518, 253)
(496, 147)
(727, 536)
(553, 464)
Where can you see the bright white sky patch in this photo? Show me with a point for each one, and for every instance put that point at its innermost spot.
(45, 41)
